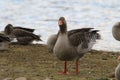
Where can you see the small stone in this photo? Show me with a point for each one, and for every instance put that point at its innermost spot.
(21, 78)
(8, 79)
(104, 59)
(47, 78)
(112, 75)
(102, 79)
(105, 53)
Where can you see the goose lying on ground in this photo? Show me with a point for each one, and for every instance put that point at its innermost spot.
(23, 35)
(8, 28)
(71, 45)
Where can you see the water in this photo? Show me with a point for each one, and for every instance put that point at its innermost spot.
(42, 15)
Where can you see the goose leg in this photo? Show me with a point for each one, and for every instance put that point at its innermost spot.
(65, 68)
(76, 67)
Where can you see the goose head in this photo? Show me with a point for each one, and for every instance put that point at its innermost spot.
(8, 29)
(62, 25)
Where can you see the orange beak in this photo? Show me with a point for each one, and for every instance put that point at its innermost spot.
(60, 22)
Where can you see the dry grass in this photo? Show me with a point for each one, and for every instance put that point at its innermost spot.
(35, 63)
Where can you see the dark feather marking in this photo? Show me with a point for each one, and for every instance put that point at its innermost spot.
(82, 36)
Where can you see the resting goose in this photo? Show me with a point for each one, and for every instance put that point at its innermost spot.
(71, 45)
(23, 36)
(4, 41)
(8, 28)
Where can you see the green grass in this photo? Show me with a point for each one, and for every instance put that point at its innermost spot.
(35, 63)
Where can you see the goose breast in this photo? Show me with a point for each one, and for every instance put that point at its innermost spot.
(63, 49)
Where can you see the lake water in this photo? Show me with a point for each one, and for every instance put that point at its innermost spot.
(42, 15)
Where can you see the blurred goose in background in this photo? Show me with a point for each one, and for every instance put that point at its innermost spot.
(4, 42)
(116, 35)
(23, 35)
(116, 31)
(117, 72)
(8, 28)
(71, 45)
(51, 42)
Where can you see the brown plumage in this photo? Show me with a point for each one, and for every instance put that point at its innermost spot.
(4, 38)
(9, 28)
(4, 42)
(23, 35)
(72, 45)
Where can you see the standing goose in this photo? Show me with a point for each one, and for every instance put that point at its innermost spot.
(8, 28)
(71, 45)
(4, 41)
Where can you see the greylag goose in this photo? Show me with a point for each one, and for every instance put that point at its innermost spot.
(4, 41)
(73, 44)
(116, 31)
(24, 37)
(51, 42)
(117, 72)
(8, 28)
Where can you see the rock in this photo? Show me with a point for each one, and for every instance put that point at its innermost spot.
(102, 79)
(8, 79)
(47, 78)
(21, 78)
(104, 59)
(112, 75)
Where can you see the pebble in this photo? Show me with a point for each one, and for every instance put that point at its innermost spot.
(21, 78)
(8, 79)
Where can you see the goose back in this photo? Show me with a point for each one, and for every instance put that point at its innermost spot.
(24, 37)
(116, 31)
(9, 28)
(27, 29)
